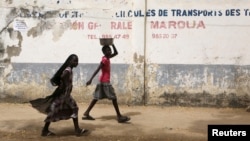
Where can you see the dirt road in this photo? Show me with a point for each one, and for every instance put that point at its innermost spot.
(20, 122)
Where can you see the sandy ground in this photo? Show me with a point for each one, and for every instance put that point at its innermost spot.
(20, 122)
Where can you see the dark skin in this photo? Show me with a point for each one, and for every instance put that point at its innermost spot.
(65, 80)
(65, 76)
(108, 53)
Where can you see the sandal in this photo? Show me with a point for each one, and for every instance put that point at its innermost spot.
(87, 117)
(123, 119)
(47, 133)
(81, 132)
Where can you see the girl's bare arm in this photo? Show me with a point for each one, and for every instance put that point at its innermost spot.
(115, 51)
(94, 74)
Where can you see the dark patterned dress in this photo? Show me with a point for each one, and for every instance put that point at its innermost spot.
(60, 105)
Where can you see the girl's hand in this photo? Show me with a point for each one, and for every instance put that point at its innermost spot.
(89, 82)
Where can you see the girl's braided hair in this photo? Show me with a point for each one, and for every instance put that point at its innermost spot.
(56, 79)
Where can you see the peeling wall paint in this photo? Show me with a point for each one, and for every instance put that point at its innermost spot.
(205, 83)
(167, 56)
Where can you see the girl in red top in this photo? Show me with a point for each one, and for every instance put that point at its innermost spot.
(104, 89)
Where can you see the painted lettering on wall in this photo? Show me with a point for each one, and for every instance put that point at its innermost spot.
(114, 25)
(177, 24)
(71, 14)
(116, 36)
(79, 23)
(182, 13)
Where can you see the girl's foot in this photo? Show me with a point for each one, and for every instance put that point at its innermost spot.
(87, 117)
(80, 132)
(123, 119)
(47, 133)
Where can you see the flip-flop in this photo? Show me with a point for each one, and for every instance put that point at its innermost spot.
(82, 132)
(47, 133)
(123, 119)
(87, 117)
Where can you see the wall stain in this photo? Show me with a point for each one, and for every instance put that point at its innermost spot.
(9, 1)
(138, 58)
(9, 19)
(205, 99)
(58, 30)
(134, 85)
(39, 29)
(2, 49)
(14, 50)
(63, 2)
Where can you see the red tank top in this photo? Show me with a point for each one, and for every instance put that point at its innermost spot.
(105, 74)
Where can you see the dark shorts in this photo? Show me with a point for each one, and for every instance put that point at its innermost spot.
(104, 90)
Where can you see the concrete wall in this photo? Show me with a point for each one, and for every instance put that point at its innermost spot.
(171, 52)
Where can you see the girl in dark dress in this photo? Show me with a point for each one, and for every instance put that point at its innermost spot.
(60, 105)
